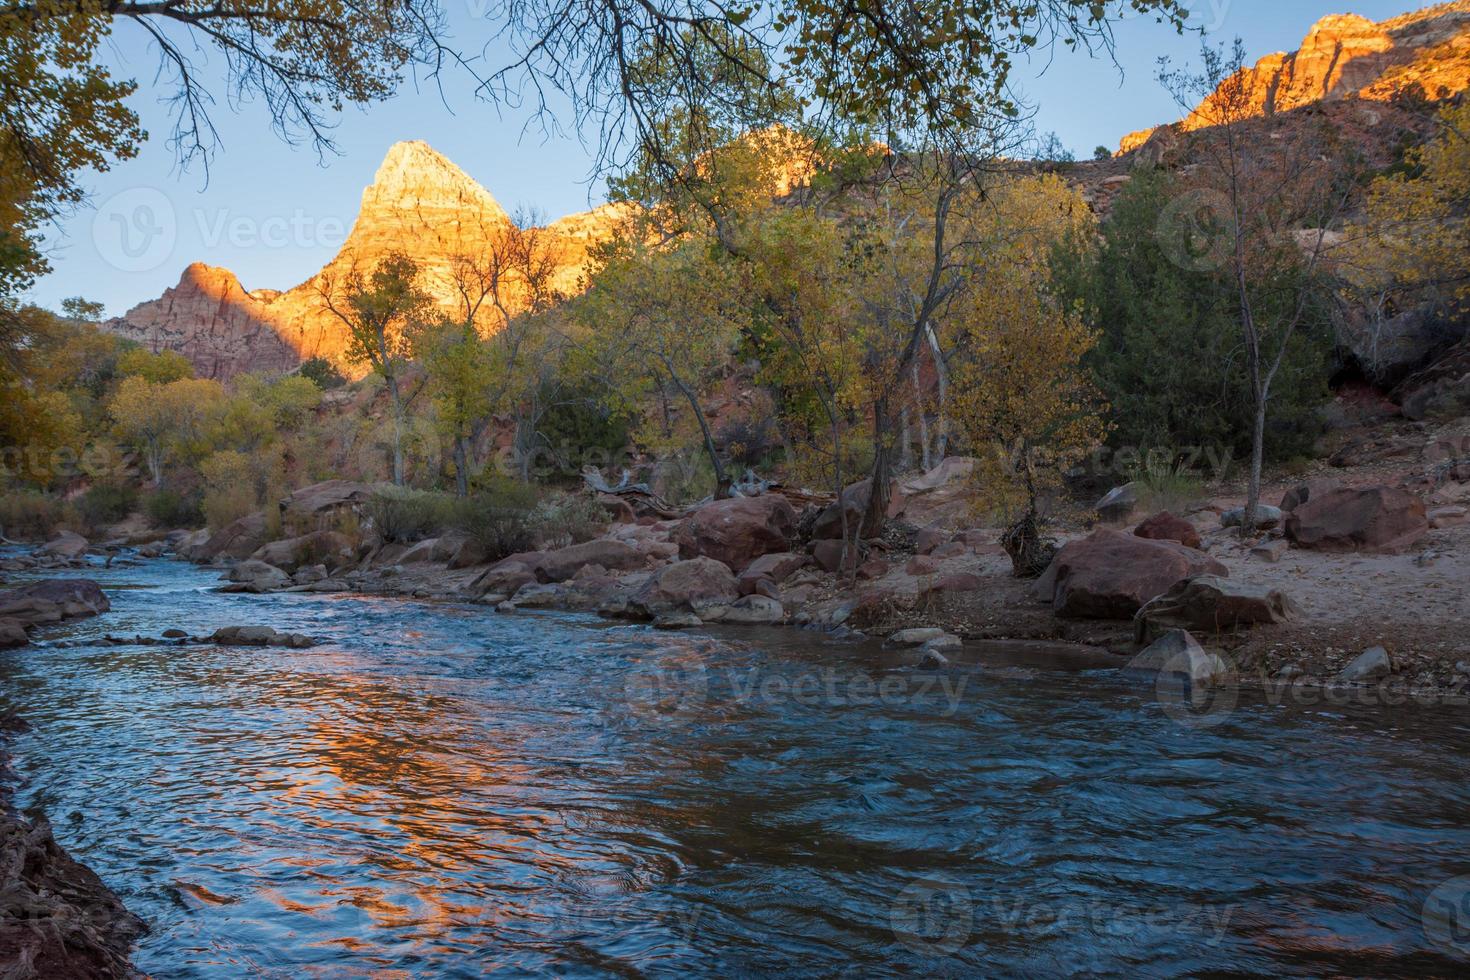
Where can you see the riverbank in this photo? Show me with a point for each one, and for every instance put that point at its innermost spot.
(58, 920)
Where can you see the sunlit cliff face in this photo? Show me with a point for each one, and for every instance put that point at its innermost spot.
(1347, 56)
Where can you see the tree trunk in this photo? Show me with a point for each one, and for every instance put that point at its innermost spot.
(1258, 454)
(906, 440)
(876, 513)
(397, 431)
(722, 478)
(461, 467)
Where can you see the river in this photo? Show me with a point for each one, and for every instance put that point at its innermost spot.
(437, 790)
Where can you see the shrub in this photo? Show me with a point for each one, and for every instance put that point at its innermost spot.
(29, 515)
(106, 503)
(230, 488)
(1165, 485)
(501, 523)
(169, 508)
(569, 518)
(1168, 360)
(323, 372)
(402, 515)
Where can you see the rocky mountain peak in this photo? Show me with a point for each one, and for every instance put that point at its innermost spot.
(1348, 56)
(415, 175)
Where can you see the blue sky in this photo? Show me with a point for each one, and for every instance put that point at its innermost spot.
(274, 213)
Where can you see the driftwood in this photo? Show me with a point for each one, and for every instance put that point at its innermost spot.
(638, 495)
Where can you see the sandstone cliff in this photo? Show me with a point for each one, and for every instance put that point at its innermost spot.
(419, 203)
(1346, 56)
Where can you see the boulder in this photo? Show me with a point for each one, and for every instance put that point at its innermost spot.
(1118, 504)
(775, 567)
(52, 600)
(1166, 527)
(753, 610)
(505, 577)
(922, 565)
(1371, 665)
(738, 530)
(951, 470)
(259, 636)
(1299, 495)
(1441, 390)
(239, 539)
(192, 545)
(420, 553)
(1266, 517)
(930, 538)
(916, 637)
(562, 564)
(467, 554)
(1442, 517)
(1213, 604)
(1389, 348)
(1270, 551)
(65, 545)
(828, 555)
(12, 634)
(329, 548)
(256, 576)
(1380, 520)
(828, 525)
(320, 502)
(1110, 574)
(685, 586)
(1179, 653)
(153, 549)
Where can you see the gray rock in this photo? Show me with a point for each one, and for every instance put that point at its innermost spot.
(1178, 652)
(933, 660)
(252, 575)
(1118, 504)
(753, 610)
(1370, 665)
(944, 643)
(505, 606)
(1266, 516)
(1271, 551)
(677, 621)
(916, 637)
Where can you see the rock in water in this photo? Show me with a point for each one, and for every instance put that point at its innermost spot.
(1371, 665)
(1178, 652)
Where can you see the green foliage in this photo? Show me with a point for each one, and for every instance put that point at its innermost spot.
(1165, 483)
(160, 368)
(579, 423)
(1169, 361)
(106, 503)
(323, 373)
(568, 518)
(172, 509)
(1102, 153)
(500, 519)
(401, 515)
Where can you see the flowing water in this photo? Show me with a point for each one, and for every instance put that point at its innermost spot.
(440, 791)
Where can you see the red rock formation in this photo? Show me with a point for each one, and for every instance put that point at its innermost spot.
(1347, 56)
(210, 319)
(419, 203)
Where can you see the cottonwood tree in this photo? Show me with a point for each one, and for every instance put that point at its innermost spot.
(1412, 246)
(164, 419)
(1261, 212)
(929, 67)
(667, 317)
(381, 312)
